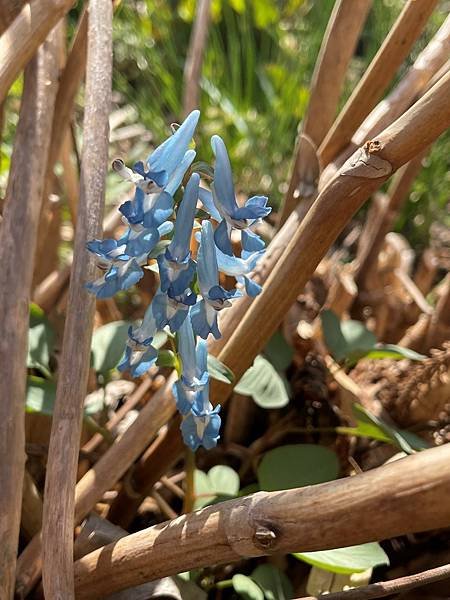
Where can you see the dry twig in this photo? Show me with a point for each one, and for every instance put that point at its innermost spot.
(268, 522)
(337, 48)
(19, 232)
(194, 60)
(65, 438)
(377, 77)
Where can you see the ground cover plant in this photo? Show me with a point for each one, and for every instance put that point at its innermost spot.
(225, 324)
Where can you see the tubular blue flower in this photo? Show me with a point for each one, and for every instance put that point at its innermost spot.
(139, 354)
(215, 297)
(109, 251)
(147, 181)
(172, 151)
(194, 375)
(176, 268)
(120, 276)
(172, 310)
(147, 211)
(201, 426)
(225, 200)
(240, 268)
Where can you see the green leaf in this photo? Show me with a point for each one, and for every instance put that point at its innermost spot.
(167, 358)
(394, 352)
(218, 370)
(264, 384)
(346, 339)
(334, 338)
(297, 465)
(247, 588)
(40, 396)
(220, 481)
(108, 344)
(353, 559)
(40, 339)
(273, 582)
(372, 426)
(279, 352)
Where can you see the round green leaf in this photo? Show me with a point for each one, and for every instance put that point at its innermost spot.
(353, 559)
(108, 344)
(273, 582)
(40, 395)
(40, 339)
(224, 480)
(247, 588)
(264, 384)
(297, 465)
(220, 482)
(279, 352)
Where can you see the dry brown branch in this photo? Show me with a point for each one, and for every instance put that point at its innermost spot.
(398, 192)
(72, 381)
(19, 232)
(31, 519)
(427, 68)
(268, 522)
(155, 462)
(387, 588)
(357, 179)
(194, 60)
(337, 48)
(61, 144)
(128, 405)
(426, 271)
(9, 9)
(25, 34)
(377, 77)
(50, 291)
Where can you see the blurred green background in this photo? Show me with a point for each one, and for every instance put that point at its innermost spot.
(255, 87)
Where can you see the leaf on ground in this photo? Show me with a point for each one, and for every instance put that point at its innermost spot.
(297, 465)
(353, 559)
(220, 481)
(264, 385)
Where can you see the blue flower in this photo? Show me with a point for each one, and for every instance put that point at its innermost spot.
(147, 181)
(168, 156)
(201, 427)
(225, 200)
(240, 268)
(120, 276)
(172, 310)
(176, 268)
(109, 251)
(215, 297)
(139, 354)
(194, 375)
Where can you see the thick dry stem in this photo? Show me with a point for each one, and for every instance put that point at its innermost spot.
(398, 193)
(17, 246)
(387, 588)
(401, 497)
(358, 178)
(194, 60)
(58, 519)
(337, 48)
(428, 67)
(377, 77)
(25, 34)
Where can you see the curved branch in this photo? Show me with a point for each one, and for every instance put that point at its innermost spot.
(402, 496)
(59, 499)
(386, 588)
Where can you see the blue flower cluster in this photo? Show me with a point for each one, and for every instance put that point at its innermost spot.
(190, 295)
